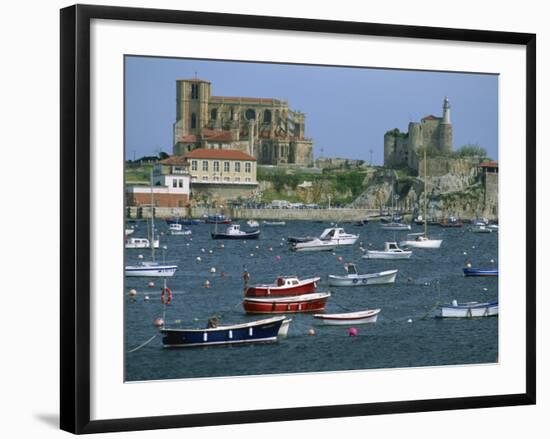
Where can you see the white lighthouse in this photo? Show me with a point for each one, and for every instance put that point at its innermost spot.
(446, 111)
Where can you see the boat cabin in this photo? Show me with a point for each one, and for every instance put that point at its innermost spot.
(287, 281)
(137, 241)
(176, 227)
(331, 233)
(351, 268)
(233, 229)
(391, 247)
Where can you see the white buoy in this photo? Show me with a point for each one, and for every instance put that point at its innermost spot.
(311, 331)
(257, 247)
(492, 261)
(199, 259)
(158, 322)
(140, 256)
(213, 270)
(464, 253)
(146, 299)
(164, 247)
(203, 250)
(151, 284)
(206, 283)
(409, 321)
(210, 251)
(251, 255)
(132, 293)
(484, 289)
(222, 246)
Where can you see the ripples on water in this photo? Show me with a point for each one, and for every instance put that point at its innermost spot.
(390, 342)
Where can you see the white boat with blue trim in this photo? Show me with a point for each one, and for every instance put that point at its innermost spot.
(354, 279)
(468, 309)
(348, 318)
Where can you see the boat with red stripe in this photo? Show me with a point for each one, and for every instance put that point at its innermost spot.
(284, 286)
(312, 302)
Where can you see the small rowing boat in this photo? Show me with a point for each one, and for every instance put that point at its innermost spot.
(312, 302)
(468, 309)
(354, 279)
(349, 318)
(478, 272)
(234, 232)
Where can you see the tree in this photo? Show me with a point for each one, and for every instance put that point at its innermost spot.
(471, 150)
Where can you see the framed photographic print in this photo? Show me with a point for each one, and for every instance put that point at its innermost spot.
(272, 218)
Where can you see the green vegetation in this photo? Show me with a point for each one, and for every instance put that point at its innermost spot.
(471, 150)
(134, 173)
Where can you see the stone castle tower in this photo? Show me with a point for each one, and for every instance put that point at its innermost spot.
(400, 149)
(263, 127)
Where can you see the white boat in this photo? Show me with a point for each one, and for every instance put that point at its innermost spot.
(396, 227)
(348, 318)
(283, 330)
(338, 236)
(132, 243)
(150, 269)
(314, 245)
(469, 309)
(128, 231)
(253, 224)
(419, 240)
(493, 227)
(274, 223)
(178, 229)
(422, 240)
(233, 231)
(391, 251)
(354, 279)
(480, 228)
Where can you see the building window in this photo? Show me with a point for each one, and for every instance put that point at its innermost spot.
(267, 116)
(205, 178)
(237, 166)
(250, 114)
(193, 165)
(248, 167)
(216, 166)
(216, 178)
(193, 120)
(194, 91)
(226, 179)
(174, 183)
(237, 179)
(214, 114)
(225, 166)
(181, 182)
(205, 165)
(248, 179)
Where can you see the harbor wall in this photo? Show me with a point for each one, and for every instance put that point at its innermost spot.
(335, 215)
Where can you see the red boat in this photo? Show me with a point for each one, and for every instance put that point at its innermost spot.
(312, 302)
(284, 286)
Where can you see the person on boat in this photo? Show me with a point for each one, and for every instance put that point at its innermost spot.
(212, 322)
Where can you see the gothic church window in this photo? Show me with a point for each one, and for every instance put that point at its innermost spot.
(193, 120)
(214, 114)
(267, 116)
(250, 114)
(194, 91)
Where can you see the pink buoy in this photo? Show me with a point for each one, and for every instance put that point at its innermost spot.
(278, 258)
(159, 322)
(353, 332)
(340, 258)
(270, 249)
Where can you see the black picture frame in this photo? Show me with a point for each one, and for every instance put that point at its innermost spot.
(75, 217)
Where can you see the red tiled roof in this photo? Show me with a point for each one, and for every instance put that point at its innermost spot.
(188, 139)
(229, 154)
(430, 117)
(175, 160)
(488, 165)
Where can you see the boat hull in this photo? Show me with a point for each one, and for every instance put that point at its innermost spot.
(377, 254)
(261, 331)
(311, 246)
(305, 287)
(469, 311)
(429, 243)
(475, 272)
(384, 277)
(158, 271)
(251, 235)
(296, 304)
(347, 319)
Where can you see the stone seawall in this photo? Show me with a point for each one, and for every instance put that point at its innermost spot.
(336, 215)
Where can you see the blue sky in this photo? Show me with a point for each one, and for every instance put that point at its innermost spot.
(347, 110)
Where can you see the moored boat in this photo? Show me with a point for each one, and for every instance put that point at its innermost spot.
(420, 240)
(150, 269)
(178, 229)
(481, 228)
(315, 244)
(348, 318)
(312, 302)
(296, 239)
(274, 223)
(451, 222)
(478, 272)
(253, 224)
(259, 331)
(353, 279)
(137, 243)
(218, 219)
(391, 251)
(396, 227)
(468, 309)
(284, 286)
(234, 232)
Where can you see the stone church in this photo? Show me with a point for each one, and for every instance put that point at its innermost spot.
(265, 128)
(400, 149)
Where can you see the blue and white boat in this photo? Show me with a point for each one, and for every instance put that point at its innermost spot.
(468, 309)
(258, 331)
(478, 272)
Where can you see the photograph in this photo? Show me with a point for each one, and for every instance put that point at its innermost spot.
(305, 219)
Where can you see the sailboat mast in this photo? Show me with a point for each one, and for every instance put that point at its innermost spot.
(152, 220)
(425, 196)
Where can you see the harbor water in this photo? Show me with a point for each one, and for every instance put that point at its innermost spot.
(407, 334)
